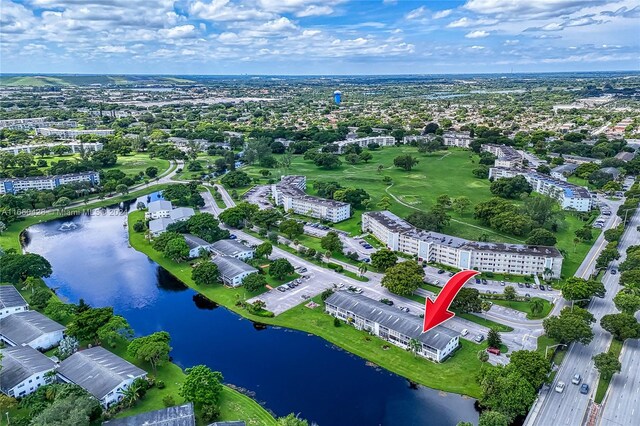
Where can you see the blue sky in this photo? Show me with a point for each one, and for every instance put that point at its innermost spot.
(318, 36)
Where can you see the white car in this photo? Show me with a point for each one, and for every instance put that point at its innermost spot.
(464, 332)
(560, 387)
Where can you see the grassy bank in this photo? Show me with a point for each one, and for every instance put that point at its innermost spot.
(603, 384)
(451, 376)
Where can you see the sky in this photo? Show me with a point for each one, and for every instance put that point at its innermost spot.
(297, 37)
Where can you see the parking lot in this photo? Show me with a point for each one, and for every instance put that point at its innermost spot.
(259, 195)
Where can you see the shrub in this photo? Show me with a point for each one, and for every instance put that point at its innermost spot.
(169, 401)
(336, 322)
(160, 384)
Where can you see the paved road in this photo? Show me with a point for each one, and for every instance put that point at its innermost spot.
(571, 407)
(622, 403)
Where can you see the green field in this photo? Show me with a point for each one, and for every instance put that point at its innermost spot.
(446, 172)
(136, 163)
(524, 306)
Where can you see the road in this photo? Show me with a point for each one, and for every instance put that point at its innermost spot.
(622, 403)
(571, 407)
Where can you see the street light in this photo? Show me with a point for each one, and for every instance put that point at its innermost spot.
(578, 300)
(552, 346)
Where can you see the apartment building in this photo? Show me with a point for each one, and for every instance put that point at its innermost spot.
(41, 183)
(507, 156)
(392, 325)
(34, 123)
(365, 142)
(434, 247)
(459, 139)
(71, 133)
(418, 138)
(24, 370)
(289, 193)
(74, 147)
(570, 196)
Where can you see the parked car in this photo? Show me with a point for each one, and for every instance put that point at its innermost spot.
(613, 272)
(479, 338)
(441, 271)
(358, 290)
(404, 309)
(340, 285)
(576, 379)
(232, 236)
(584, 389)
(494, 351)
(387, 302)
(478, 281)
(560, 387)
(527, 285)
(464, 332)
(502, 283)
(484, 281)
(436, 282)
(520, 285)
(541, 286)
(282, 289)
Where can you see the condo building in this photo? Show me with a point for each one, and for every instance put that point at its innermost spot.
(365, 142)
(289, 193)
(507, 156)
(71, 133)
(459, 139)
(519, 259)
(41, 183)
(74, 147)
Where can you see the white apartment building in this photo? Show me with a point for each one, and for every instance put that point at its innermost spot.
(74, 147)
(570, 196)
(365, 142)
(71, 133)
(418, 138)
(41, 183)
(289, 193)
(11, 301)
(507, 156)
(24, 370)
(399, 235)
(34, 123)
(459, 139)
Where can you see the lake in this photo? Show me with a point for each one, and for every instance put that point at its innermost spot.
(285, 370)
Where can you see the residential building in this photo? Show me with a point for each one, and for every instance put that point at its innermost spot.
(71, 133)
(625, 156)
(459, 139)
(158, 226)
(576, 159)
(24, 370)
(196, 245)
(179, 415)
(11, 301)
(232, 270)
(74, 147)
(101, 373)
(392, 325)
(434, 247)
(563, 171)
(418, 138)
(31, 328)
(162, 214)
(41, 183)
(289, 193)
(365, 142)
(33, 123)
(570, 196)
(233, 248)
(506, 155)
(157, 209)
(180, 214)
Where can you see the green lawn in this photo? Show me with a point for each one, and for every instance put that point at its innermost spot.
(136, 163)
(603, 385)
(446, 172)
(525, 306)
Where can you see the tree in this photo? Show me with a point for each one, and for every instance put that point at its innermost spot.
(461, 205)
(384, 203)
(291, 228)
(510, 187)
(280, 268)
(576, 288)
(493, 418)
(483, 356)
(122, 188)
(115, 330)
(493, 338)
(467, 300)
(292, 420)
(72, 410)
(331, 242)
(201, 386)
(532, 365)
(383, 259)
(207, 227)
(536, 305)
(570, 326)
(481, 172)
(622, 326)
(627, 302)
(327, 161)
(544, 211)
(352, 158)
(205, 273)
(160, 242)
(509, 293)
(153, 349)
(403, 278)
(444, 201)
(355, 197)
(365, 156)
(415, 346)
(40, 298)
(151, 171)
(584, 233)
(433, 220)
(235, 179)
(264, 250)
(86, 324)
(607, 364)
(630, 278)
(176, 249)
(254, 282)
(17, 267)
(506, 391)
(405, 162)
(59, 311)
(541, 237)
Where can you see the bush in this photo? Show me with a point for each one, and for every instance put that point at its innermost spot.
(336, 322)
(335, 267)
(160, 384)
(169, 401)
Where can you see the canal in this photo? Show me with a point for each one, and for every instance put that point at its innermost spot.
(286, 370)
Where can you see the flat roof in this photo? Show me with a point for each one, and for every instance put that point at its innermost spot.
(10, 297)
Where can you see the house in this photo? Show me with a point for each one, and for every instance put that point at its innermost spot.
(392, 325)
(158, 226)
(196, 245)
(232, 270)
(180, 415)
(625, 156)
(563, 171)
(233, 248)
(24, 370)
(11, 301)
(31, 328)
(180, 214)
(158, 209)
(101, 373)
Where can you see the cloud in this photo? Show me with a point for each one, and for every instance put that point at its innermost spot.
(112, 49)
(465, 22)
(511, 42)
(416, 13)
(520, 10)
(477, 34)
(442, 13)
(179, 32)
(224, 11)
(315, 10)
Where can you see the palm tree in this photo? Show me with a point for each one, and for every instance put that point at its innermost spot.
(536, 306)
(415, 346)
(362, 269)
(131, 394)
(547, 273)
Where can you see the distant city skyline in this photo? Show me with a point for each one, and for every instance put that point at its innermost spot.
(318, 37)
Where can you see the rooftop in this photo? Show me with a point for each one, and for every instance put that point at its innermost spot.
(159, 225)
(21, 362)
(230, 247)
(10, 297)
(24, 327)
(181, 213)
(194, 242)
(98, 371)
(181, 415)
(160, 205)
(65, 176)
(231, 267)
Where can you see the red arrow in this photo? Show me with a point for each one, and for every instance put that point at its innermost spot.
(437, 312)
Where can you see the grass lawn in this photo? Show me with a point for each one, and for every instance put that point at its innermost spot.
(603, 385)
(451, 376)
(525, 306)
(136, 163)
(446, 172)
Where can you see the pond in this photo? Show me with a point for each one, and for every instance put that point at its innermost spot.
(287, 371)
